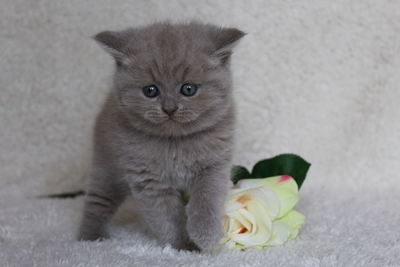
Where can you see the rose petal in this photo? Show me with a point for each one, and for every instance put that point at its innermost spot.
(294, 220)
(231, 205)
(283, 186)
(286, 228)
(261, 223)
(239, 219)
(280, 233)
(268, 199)
(281, 181)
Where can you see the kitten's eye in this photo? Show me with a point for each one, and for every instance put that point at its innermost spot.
(188, 89)
(151, 91)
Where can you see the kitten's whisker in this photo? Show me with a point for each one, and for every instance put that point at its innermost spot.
(155, 116)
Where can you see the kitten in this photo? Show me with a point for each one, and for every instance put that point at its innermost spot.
(166, 127)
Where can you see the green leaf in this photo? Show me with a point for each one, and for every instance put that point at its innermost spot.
(284, 164)
(239, 172)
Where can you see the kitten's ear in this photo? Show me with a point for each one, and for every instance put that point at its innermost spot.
(225, 39)
(113, 42)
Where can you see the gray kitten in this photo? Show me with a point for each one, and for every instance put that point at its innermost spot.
(165, 128)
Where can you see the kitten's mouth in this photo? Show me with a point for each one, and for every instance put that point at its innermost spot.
(181, 120)
(162, 120)
(172, 119)
(184, 117)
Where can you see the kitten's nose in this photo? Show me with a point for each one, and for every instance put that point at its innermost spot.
(170, 110)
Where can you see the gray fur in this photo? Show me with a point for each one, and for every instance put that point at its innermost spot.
(140, 150)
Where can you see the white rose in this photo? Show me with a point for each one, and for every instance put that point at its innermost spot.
(259, 212)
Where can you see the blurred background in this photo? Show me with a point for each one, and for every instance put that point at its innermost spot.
(318, 78)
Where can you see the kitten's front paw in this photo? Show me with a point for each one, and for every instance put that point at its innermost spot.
(92, 234)
(188, 246)
(205, 234)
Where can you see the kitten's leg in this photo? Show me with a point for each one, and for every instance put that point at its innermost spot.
(163, 212)
(105, 194)
(206, 206)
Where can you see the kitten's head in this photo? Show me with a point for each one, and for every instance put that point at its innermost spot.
(172, 79)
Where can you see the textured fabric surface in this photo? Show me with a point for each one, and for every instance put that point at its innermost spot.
(316, 78)
(339, 231)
